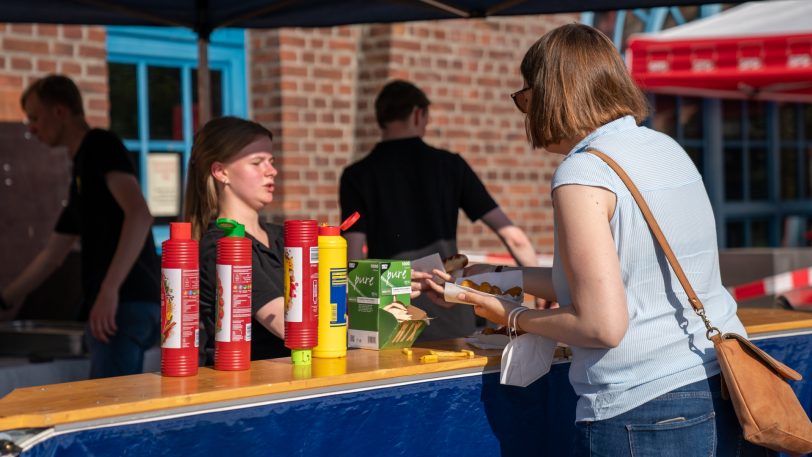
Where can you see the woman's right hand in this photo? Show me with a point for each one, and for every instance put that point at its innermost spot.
(418, 284)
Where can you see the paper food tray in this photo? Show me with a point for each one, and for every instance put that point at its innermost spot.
(503, 281)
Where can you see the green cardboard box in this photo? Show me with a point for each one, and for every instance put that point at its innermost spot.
(378, 293)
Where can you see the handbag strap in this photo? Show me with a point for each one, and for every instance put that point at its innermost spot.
(693, 299)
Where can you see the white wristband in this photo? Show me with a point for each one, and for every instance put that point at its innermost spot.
(513, 317)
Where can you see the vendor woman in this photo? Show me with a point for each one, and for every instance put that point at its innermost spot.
(232, 175)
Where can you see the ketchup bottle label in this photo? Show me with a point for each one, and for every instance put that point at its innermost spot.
(179, 292)
(191, 308)
(233, 303)
(293, 284)
(171, 288)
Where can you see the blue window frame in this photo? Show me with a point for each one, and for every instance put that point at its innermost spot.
(153, 94)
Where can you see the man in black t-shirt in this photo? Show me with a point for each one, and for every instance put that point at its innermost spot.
(409, 195)
(107, 213)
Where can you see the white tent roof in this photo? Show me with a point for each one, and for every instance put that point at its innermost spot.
(778, 17)
(760, 50)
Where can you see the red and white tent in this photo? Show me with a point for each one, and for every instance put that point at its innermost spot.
(759, 50)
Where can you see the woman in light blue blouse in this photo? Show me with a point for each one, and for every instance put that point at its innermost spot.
(647, 378)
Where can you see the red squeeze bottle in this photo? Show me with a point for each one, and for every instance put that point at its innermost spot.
(180, 302)
(301, 289)
(232, 334)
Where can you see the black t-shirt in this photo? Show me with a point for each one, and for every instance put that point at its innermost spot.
(93, 214)
(266, 274)
(409, 195)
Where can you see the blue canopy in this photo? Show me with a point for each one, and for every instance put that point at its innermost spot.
(206, 15)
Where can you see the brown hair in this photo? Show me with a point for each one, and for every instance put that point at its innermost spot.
(55, 90)
(579, 83)
(396, 101)
(219, 140)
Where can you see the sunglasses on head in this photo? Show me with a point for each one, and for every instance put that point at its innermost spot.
(522, 99)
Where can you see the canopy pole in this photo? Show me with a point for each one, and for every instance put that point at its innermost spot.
(203, 81)
(203, 30)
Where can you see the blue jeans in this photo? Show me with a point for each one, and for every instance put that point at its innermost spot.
(689, 421)
(138, 329)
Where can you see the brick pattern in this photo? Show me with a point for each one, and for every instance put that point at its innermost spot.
(30, 51)
(303, 87)
(315, 89)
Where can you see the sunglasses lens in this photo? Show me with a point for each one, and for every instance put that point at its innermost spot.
(521, 99)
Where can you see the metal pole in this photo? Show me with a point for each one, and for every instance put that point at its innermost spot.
(203, 30)
(203, 81)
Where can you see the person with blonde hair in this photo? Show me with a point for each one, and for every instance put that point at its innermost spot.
(646, 377)
(232, 175)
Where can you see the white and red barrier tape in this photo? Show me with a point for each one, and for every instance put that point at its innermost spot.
(773, 285)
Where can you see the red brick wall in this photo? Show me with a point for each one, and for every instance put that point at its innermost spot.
(32, 174)
(30, 51)
(303, 88)
(315, 90)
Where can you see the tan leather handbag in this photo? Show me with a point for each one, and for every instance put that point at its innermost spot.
(768, 409)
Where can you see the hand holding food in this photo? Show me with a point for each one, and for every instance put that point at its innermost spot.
(492, 308)
(489, 288)
(506, 285)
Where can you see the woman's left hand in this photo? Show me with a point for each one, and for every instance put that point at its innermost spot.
(489, 307)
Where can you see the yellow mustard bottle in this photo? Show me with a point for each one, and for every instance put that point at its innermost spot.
(332, 294)
(333, 291)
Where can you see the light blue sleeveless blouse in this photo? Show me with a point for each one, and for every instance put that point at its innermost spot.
(665, 345)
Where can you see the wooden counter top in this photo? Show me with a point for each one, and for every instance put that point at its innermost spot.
(49, 405)
(765, 320)
(46, 406)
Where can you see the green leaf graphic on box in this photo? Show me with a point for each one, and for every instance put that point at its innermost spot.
(354, 288)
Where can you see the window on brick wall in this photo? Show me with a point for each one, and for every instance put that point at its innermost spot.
(764, 158)
(766, 151)
(153, 103)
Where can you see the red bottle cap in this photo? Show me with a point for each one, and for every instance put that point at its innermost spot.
(350, 220)
(329, 230)
(180, 230)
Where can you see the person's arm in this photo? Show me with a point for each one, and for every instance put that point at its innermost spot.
(598, 316)
(514, 238)
(355, 245)
(272, 316)
(38, 270)
(537, 281)
(134, 230)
